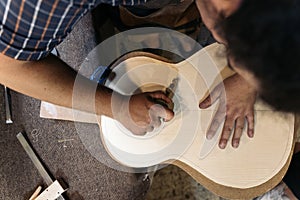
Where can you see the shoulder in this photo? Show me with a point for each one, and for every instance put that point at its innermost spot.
(31, 28)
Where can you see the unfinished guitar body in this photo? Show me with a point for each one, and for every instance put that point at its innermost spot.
(252, 169)
(255, 167)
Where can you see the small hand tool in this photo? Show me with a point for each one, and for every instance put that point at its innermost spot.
(37, 163)
(170, 92)
(7, 105)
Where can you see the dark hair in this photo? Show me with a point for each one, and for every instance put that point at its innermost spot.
(263, 36)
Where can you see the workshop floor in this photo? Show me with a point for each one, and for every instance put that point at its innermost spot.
(172, 183)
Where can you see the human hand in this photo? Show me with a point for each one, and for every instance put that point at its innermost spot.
(141, 113)
(236, 105)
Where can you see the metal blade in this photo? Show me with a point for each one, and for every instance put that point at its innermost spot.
(48, 180)
(7, 106)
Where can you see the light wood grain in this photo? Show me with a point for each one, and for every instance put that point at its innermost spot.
(255, 167)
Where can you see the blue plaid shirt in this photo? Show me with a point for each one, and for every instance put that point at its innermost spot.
(30, 29)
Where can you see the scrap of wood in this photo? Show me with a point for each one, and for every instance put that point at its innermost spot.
(54, 191)
(36, 193)
(52, 111)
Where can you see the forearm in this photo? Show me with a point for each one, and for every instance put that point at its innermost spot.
(52, 80)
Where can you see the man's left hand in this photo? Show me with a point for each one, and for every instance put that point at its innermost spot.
(236, 106)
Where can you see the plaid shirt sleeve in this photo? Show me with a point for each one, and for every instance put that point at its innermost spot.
(30, 29)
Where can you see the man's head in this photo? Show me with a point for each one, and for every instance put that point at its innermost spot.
(263, 40)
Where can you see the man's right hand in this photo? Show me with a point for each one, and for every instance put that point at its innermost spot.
(53, 81)
(141, 113)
